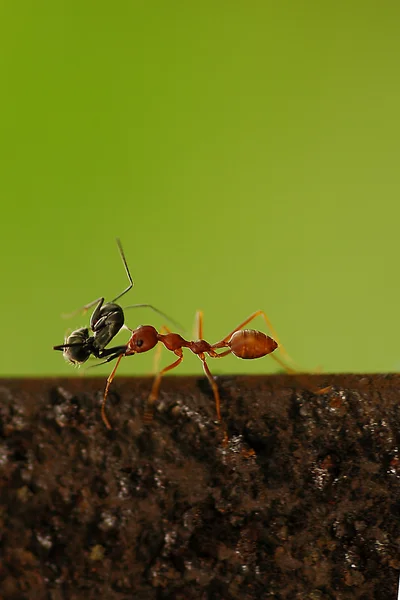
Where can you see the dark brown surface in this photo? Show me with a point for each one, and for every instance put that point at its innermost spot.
(166, 511)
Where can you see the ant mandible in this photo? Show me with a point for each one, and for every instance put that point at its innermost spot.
(106, 321)
(243, 343)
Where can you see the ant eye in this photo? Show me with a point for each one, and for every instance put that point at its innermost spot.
(139, 343)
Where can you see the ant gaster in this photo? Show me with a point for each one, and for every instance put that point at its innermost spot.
(106, 321)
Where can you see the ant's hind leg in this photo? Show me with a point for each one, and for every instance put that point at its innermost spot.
(148, 415)
(284, 366)
(199, 326)
(215, 392)
(213, 385)
(302, 378)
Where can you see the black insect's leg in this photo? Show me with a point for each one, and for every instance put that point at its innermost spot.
(130, 286)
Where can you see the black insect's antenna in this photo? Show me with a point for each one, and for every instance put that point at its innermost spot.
(131, 284)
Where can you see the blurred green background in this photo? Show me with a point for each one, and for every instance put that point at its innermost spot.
(246, 153)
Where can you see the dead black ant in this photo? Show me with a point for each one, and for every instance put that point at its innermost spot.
(106, 321)
(243, 343)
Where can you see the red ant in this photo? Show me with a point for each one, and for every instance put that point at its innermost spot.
(243, 343)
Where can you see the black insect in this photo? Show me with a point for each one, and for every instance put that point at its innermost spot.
(106, 321)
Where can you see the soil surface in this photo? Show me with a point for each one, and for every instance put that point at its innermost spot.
(302, 502)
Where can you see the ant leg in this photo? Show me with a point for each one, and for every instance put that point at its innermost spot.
(109, 382)
(157, 354)
(216, 393)
(284, 365)
(302, 379)
(117, 350)
(213, 385)
(202, 357)
(198, 325)
(148, 415)
(199, 333)
(221, 354)
(130, 286)
(199, 322)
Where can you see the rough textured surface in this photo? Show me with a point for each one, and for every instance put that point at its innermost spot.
(303, 501)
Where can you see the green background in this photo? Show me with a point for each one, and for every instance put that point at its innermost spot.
(246, 153)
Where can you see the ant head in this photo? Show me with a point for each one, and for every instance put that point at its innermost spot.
(77, 347)
(143, 338)
(106, 323)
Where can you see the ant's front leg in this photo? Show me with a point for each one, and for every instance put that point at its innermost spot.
(109, 382)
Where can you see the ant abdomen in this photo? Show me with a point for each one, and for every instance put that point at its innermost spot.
(249, 343)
